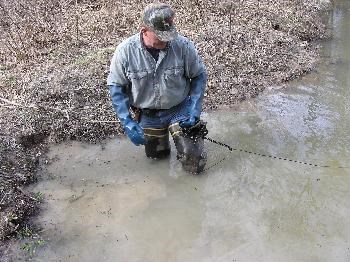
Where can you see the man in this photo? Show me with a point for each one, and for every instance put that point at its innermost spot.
(160, 75)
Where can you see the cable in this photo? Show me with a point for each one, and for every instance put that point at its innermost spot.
(268, 156)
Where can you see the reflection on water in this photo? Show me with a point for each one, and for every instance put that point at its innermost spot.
(110, 203)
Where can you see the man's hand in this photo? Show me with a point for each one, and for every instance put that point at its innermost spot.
(189, 122)
(135, 133)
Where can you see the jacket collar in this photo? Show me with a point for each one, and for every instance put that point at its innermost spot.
(141, 45)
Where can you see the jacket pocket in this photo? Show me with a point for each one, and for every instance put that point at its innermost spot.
(139, 81)
(137, 75)
(174, 77)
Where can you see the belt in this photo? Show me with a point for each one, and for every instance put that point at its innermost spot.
(151, 112)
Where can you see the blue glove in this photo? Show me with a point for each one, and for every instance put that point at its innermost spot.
(189, 122)
(120, 103)
(196, 94)
(135, 133)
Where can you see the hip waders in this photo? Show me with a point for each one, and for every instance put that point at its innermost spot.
(158, 146)
(157, 124)
(190, 152)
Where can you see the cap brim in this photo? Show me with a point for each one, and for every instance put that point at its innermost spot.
(166, 35)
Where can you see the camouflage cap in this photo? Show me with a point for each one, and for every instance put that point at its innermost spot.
(159, 18)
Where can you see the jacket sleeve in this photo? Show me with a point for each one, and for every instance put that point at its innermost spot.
(118, 69)
(196, 72)
(197, 88)
(193, 63)
(117, 82)
(120, 102)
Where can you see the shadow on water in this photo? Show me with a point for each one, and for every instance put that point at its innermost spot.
(110, 203)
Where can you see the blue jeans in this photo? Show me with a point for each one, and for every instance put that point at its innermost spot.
(166, 117)
(155, 124)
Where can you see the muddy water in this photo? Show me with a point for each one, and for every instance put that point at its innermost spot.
(109, 203)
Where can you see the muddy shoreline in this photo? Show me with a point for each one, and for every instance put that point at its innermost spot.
(55, 90)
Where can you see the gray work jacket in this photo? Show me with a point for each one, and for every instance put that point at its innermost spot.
(150, 84)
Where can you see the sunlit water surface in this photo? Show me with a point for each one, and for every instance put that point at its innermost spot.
(109, 203)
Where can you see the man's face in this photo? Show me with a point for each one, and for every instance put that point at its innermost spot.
(151, 40)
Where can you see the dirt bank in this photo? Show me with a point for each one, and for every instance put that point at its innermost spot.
(55, 58)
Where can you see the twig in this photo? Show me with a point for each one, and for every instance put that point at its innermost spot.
(103, 121)
(3, 172)
(82, 87)
(77, 20)
(34, 106)
(7, 193)
(5, 175)
(230, 24)
(25, 193)
(7, 106)
(16, 104)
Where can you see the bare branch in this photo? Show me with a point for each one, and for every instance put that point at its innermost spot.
(65, 112)
(104, 121)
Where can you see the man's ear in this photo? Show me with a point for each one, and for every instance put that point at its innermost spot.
(143, 29)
